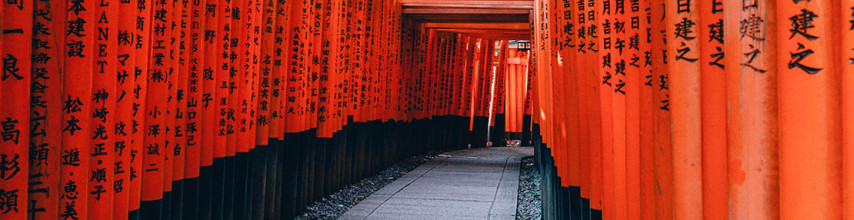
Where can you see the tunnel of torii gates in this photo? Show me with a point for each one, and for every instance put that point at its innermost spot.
(239, 109)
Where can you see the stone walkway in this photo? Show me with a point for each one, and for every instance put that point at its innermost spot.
(465, 184)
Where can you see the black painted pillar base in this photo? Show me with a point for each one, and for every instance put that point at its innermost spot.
(498, 136)
(526, 130)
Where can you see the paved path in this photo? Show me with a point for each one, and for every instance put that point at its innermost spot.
(465, 184)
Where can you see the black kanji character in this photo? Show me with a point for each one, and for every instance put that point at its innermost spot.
(797, 57)
(683, 50)
(10, 131)
(100, 132)
(10, 67)
(683, 6)
(801, 23)
(752, 55)
(77, 7)
(9, 200)
(718, 57)
(72, 125)
(716, 31)
(9, 167)
(71, 157)
(75, 48)
(77, 27)
(72, 105)
(751, 27)
(685, 28)
(70, 211)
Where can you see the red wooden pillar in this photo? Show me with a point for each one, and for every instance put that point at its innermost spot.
(14, 120)
(713, 108)
(45, 117)
(154, 128)
(663, 158)
(104, 67)
(606, 90)
(683, 56)
(647, 106)
(809, 120)
(77, 106)
(123, 117)
(847, 25)
(142, 50)
(751, 91)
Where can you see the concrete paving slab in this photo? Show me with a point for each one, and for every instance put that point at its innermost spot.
(465, 184)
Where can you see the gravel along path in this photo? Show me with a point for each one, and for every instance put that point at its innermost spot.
(337, 204)
(530, 200)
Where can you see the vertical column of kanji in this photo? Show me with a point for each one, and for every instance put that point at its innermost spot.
(810, 129)
(646, 106)
(567, 46)
(182, 54)
(193, 145)
(267, 50)
(222, 39)
(244, 33)
(281, 57)
(576, 29)
(713, 107)
(461, 62)
(430, 66)
(544, 58)
(382, 61)
(173, 18)
(104, 98)
(45, 117)
(606, 92)
(77, 106)
(315, 55)
(619, 55)
(847, 25)
(556, 70)
(372, 60)
(341, 74)
(588, 64)
(266, 47)
(471, 76)
(751, 80)
(15, 84)
(236, 73)
(279, 79)
(293, 83)
(222, 67)
(663, 156)
(257, 15)
(454, 78)
(682, 17)
(123, 117)
(631, 63)
(326, 70)
(257, 161)
(155, 112)
(452, 83)
(246, 70)
(142, 50)
(358, 60)
(208, 102)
